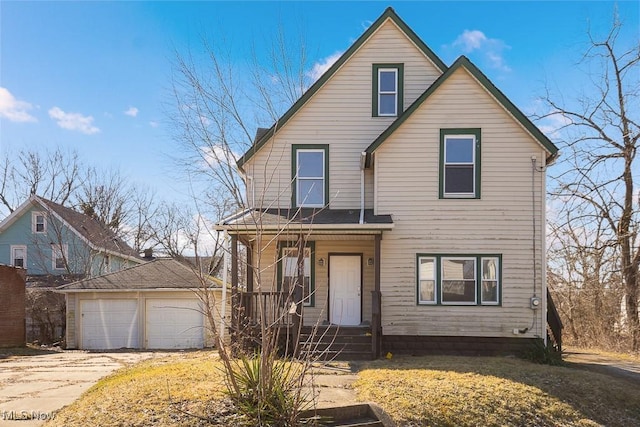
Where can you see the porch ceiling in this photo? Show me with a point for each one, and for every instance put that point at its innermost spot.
(315, 221)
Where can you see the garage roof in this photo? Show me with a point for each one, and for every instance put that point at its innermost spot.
(160, 273)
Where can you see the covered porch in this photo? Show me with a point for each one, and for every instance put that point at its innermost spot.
(312, 273)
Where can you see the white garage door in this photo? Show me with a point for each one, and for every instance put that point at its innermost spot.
(174, 324)
(109, 324)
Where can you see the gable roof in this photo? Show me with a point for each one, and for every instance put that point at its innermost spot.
(161, 273)
(463, 62)
(262, 136)
(93, 232)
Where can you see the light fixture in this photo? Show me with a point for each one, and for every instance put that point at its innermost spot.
(321, 262)
(369, 261)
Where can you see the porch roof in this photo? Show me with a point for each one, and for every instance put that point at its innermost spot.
(316, 220)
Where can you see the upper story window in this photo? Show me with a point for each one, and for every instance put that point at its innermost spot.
(19, 256)
(38, 222)
(59, 256)
(460, 163)
(310, 167)
(387, 90)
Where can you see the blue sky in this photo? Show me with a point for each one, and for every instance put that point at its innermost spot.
(96, 76)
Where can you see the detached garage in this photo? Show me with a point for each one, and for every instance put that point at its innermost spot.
(156, 305)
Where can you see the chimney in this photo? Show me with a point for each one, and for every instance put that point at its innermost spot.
(148, 253)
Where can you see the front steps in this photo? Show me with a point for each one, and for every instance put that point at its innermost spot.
(336, 342)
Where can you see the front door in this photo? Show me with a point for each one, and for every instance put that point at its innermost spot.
(345, 286)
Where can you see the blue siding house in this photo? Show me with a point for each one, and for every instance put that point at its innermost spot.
(48, 239)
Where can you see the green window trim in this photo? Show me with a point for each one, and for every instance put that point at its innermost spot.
(312, 269)
(476, 133)
(399, 90)
(294, 173)
(438, 288)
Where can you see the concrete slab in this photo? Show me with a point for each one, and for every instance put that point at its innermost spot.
(32, 388)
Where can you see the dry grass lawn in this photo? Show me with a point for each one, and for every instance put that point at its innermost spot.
(415, 391)
(463, 391)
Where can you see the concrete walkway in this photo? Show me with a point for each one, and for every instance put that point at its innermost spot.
(32, 388)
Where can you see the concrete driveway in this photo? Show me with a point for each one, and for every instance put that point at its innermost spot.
(32, 388)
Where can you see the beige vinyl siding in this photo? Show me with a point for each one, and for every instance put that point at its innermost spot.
(339, 114)
(500, 222)
(318, 313)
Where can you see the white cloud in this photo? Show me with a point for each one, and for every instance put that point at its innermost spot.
(491, 50)
(13, 109)
(553, 124)
(73, 121)
(323, 65)
(154, 124)
(217, 155)
(132, 111)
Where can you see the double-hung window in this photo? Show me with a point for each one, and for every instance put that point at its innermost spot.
(19, 256)
(460, 163)
(458, 280)
(288, 271)
(387, 89)
(310, 167)
(59, 256)
(38, 222)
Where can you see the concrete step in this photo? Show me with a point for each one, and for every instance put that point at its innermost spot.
(360, 415)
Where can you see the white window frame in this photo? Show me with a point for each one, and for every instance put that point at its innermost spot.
(473, 164)
(34, 222)
(475, 279)
(483, 280)
(63, 251)
(290, 255)
(391, 92)
(13, 258)
(300, 199)
(433, 279)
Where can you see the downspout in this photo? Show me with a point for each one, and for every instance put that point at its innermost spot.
(363, 160)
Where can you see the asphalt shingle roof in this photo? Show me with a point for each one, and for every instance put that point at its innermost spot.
(307, 216)
(160, 273)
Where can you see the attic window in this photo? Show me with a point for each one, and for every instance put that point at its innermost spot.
(38, 222)
(387, 89)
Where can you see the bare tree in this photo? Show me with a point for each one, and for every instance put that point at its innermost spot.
(596, 185)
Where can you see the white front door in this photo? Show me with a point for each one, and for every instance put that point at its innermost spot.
(345, 283)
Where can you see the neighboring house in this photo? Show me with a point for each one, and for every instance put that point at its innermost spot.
(155, 305)
(418, 192)
(48, 240)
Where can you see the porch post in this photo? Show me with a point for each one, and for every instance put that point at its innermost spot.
(235, 298)
(376, 303)
(297, 298)
(249, 279)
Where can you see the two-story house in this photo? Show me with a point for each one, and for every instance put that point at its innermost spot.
(406, 198)
(48, 239)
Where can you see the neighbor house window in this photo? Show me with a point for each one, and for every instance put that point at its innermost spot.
(19, 256)
(458, 280)
(38, 222)
(288, 271)
(387, 89)
(59, 255)
(460, 163)
(310, 166)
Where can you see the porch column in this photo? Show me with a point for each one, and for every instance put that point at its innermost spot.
(298, 295)
(249, 280)
(376, 303)
(235, 298)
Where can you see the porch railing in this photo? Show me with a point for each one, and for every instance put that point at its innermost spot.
(265, 307)
(554, 322)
